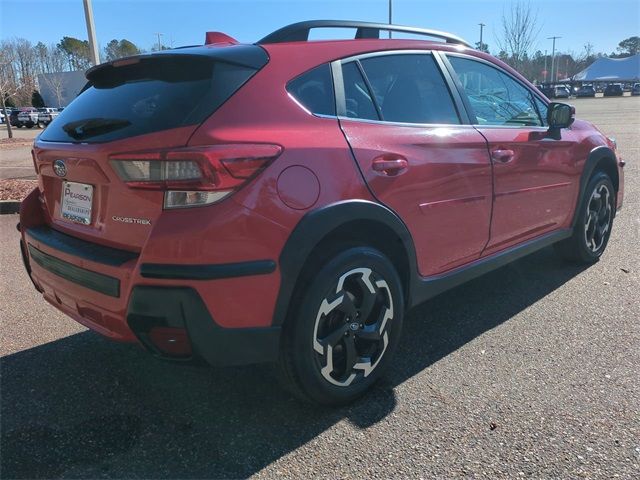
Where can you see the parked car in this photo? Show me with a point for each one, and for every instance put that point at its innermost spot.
(560, 91)
(547, 91)
(613, 90)
(636, 89)
(29, 117)
(304, 196)
(46, 115)
(586, 91)
(1, 117)
(13, 118)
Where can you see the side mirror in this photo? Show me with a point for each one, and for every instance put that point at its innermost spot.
(560, 115)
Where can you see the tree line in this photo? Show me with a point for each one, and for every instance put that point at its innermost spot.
(519, 31)
(21, 61)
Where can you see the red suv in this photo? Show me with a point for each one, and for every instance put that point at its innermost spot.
(289, 200)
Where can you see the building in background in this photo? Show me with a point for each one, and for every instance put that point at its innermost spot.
(610, 70)
(59, 89)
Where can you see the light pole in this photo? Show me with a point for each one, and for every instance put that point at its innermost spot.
(482, 25)
(390, 15)
(553, 57)
(91, 32)
(159, 42)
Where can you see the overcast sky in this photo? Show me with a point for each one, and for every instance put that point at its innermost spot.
(602, 23)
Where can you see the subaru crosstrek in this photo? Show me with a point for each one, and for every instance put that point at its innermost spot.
(287, 201)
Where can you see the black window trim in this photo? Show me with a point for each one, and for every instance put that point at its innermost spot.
(374, 100)
(467, 105)
(338, 88)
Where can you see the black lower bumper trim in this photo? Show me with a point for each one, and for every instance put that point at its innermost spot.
(182, 307)
(88, 279)
(207, 272)
(80, 248)
(27, 266)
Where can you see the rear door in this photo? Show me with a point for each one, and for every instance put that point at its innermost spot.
(535, 185)
(417, 152)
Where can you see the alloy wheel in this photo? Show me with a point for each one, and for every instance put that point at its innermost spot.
(351, 332)
(598, 218)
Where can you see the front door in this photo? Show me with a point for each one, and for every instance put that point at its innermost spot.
(534, 174)
(417, 157)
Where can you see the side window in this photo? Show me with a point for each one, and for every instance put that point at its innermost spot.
(409, 88)
(314, 90)
(495, 97)
(358, 101)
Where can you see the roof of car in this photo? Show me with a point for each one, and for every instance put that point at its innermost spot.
(328, 50)
(299, 32)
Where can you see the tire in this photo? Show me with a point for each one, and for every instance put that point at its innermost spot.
(343, 328)
(29, 125)
(594, 222)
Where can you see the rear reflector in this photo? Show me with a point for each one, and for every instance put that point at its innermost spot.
(194, 176)
(190, 198)
(171, 341)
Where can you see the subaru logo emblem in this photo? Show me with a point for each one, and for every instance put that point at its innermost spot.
(60, 168)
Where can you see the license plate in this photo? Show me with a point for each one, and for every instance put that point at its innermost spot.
(76, 202)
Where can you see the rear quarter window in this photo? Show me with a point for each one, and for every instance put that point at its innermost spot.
(154, 94)
(314, 90)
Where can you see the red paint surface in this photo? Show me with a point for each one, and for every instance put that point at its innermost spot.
(445, 196)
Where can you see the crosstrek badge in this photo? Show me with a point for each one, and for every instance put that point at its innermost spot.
(139, 221)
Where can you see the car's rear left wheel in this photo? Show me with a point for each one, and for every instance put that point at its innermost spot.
(344, 328)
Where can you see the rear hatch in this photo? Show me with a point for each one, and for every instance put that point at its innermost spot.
(139, 104)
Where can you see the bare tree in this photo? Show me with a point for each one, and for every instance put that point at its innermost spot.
(25, 60)
(8, 87)
(55, 81)
(52, 61)
(520, 30)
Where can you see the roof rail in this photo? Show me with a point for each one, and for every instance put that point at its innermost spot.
(299, 32)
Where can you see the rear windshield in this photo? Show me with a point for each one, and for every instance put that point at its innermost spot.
(151, 95)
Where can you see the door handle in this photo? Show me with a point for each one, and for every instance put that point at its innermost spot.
(502, 156)
(390, 166)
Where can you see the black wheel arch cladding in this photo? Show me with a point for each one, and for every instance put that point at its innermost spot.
(318, 225)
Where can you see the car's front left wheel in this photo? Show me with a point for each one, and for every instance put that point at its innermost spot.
(594, 222)
(343, 329)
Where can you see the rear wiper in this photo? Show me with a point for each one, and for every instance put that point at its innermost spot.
(93, 126)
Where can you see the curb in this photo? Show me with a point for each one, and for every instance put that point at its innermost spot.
(9, 206)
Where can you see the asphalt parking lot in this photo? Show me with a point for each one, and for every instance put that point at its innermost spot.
(15, 160)
(532, 371)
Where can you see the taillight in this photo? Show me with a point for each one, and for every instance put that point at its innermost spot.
(194, 176)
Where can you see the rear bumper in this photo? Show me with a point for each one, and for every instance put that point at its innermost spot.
(103, 288)
(183, 308)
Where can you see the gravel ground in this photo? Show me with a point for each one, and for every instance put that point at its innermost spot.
(531, 371)
(11, 189)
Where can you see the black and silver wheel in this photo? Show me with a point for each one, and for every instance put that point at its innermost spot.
(594, 222)
(344, 328)
(598, 217)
